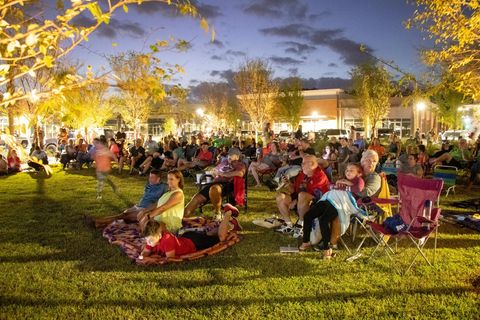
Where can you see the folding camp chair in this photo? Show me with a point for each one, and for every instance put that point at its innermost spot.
(414, 192)
(449, 176)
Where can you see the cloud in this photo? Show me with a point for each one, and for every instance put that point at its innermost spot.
(277, 8)
(235, 53)
(216, 57)
(284, 60)
(291, 30)
(152, 8)
(333, 65)
(293, 71)
(113, 29)
(348, 49)
(320, 15)
(217, 43)
(326, 83)
(226, 75)
(297, 47)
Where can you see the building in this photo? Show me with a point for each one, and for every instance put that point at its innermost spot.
(335, 109)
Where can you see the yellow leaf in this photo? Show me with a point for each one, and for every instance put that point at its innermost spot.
(125, 8)
(204, 24)
(213, 34)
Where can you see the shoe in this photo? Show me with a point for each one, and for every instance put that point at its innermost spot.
(285, 229)
(305, 247)
(228, 207)
(236, 225)
(297, 231)
(269, 223)
(328, 254)
(271, 185)
(280, 185)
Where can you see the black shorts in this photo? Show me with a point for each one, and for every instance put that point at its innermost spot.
(455, 163)
(157, 163)
(201, 240)
(227, 189)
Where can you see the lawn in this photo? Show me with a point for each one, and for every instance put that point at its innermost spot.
(52, 266)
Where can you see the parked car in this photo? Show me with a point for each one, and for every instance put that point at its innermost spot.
(384, 132)
(453, 135)
(284, 134)
(337, 133)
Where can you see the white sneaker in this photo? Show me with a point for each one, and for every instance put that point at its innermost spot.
(297, 231)
(285, 229)
(281, 185)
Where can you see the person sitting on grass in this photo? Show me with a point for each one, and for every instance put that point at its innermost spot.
(3, 166)
(201, 160)
(459, 157)
(269, 161)
(70, 153)
(311, 183)
(137, 155)
(170, 206)
(160, 241)
(13, 161)
(152, 192)
(412, 167)
(154, 161)
(222, 184)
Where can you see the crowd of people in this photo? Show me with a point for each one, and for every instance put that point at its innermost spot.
(314, 183)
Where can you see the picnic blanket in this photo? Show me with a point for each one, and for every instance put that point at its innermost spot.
(468, 220)
(468, 204)
(128, 237)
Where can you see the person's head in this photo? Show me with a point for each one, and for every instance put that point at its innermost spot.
(152, 232)
(309, 164)
(343, 142)
(327, 149)
(376, 142)
(274, 147)
(70, 142)
(353, 170)
(412, 160)
(357, 135)
(333, 139)
(150, 138)
(172, 145)
(304, 144)
(233, 155)
(80, 141)
(369, 161)
(112, 141)
(446, 146)
(462, 144)
(204, 146)
(138, 142)
(155, 176)
(175, 179)
(421, 148)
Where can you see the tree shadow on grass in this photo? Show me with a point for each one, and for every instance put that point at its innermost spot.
(202, 303)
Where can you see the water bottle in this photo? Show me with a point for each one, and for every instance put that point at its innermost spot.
(398, 163)
(427, 213)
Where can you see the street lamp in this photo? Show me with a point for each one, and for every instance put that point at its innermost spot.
(421, 106)
(200, 112)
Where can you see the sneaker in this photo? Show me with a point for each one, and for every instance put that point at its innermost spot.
(269, 223)
(285, 229)
(271, 185)
(297, 231)
(281, 185)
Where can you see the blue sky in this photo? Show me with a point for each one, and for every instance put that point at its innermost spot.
(316, 39)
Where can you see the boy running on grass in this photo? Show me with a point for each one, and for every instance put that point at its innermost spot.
(103, 159)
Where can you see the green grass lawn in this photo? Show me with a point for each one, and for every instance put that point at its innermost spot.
(52, 266)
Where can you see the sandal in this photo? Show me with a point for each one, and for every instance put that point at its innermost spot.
(329, 254)
(305, 246)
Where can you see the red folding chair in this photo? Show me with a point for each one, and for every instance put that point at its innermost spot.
(413, 192)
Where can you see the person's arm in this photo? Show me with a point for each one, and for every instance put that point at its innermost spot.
(174, 199)
(372, 186)
(238, 172)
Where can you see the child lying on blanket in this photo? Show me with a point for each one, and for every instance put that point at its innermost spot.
(159, 241)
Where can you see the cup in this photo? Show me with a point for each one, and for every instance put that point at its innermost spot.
(199, 177)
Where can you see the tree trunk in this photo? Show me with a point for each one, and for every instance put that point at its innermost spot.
(11, 108)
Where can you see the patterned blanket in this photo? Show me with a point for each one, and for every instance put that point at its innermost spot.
(128, 237)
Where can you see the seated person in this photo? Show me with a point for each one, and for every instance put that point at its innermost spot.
(222, 184)
(137, 155)
(70, 153)
(117, 150)
(153, 190)
(293, 165)
(169, 209)
(459, 157)
(412, 167)
(3, 166)
(309, 184)
(151, 146)
(154, 161)
(40, 154)
(191, 149)
(269, 161)
(13, 161)
(159, 241)
(331, 215)
(82, 149)
(171, 158)
(201, 160)
(377, 147)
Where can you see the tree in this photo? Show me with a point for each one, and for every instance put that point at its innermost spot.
(372, 87)
(454, 26)
(31, 43)
(140, 80)
(256, 91)
(290, 100)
